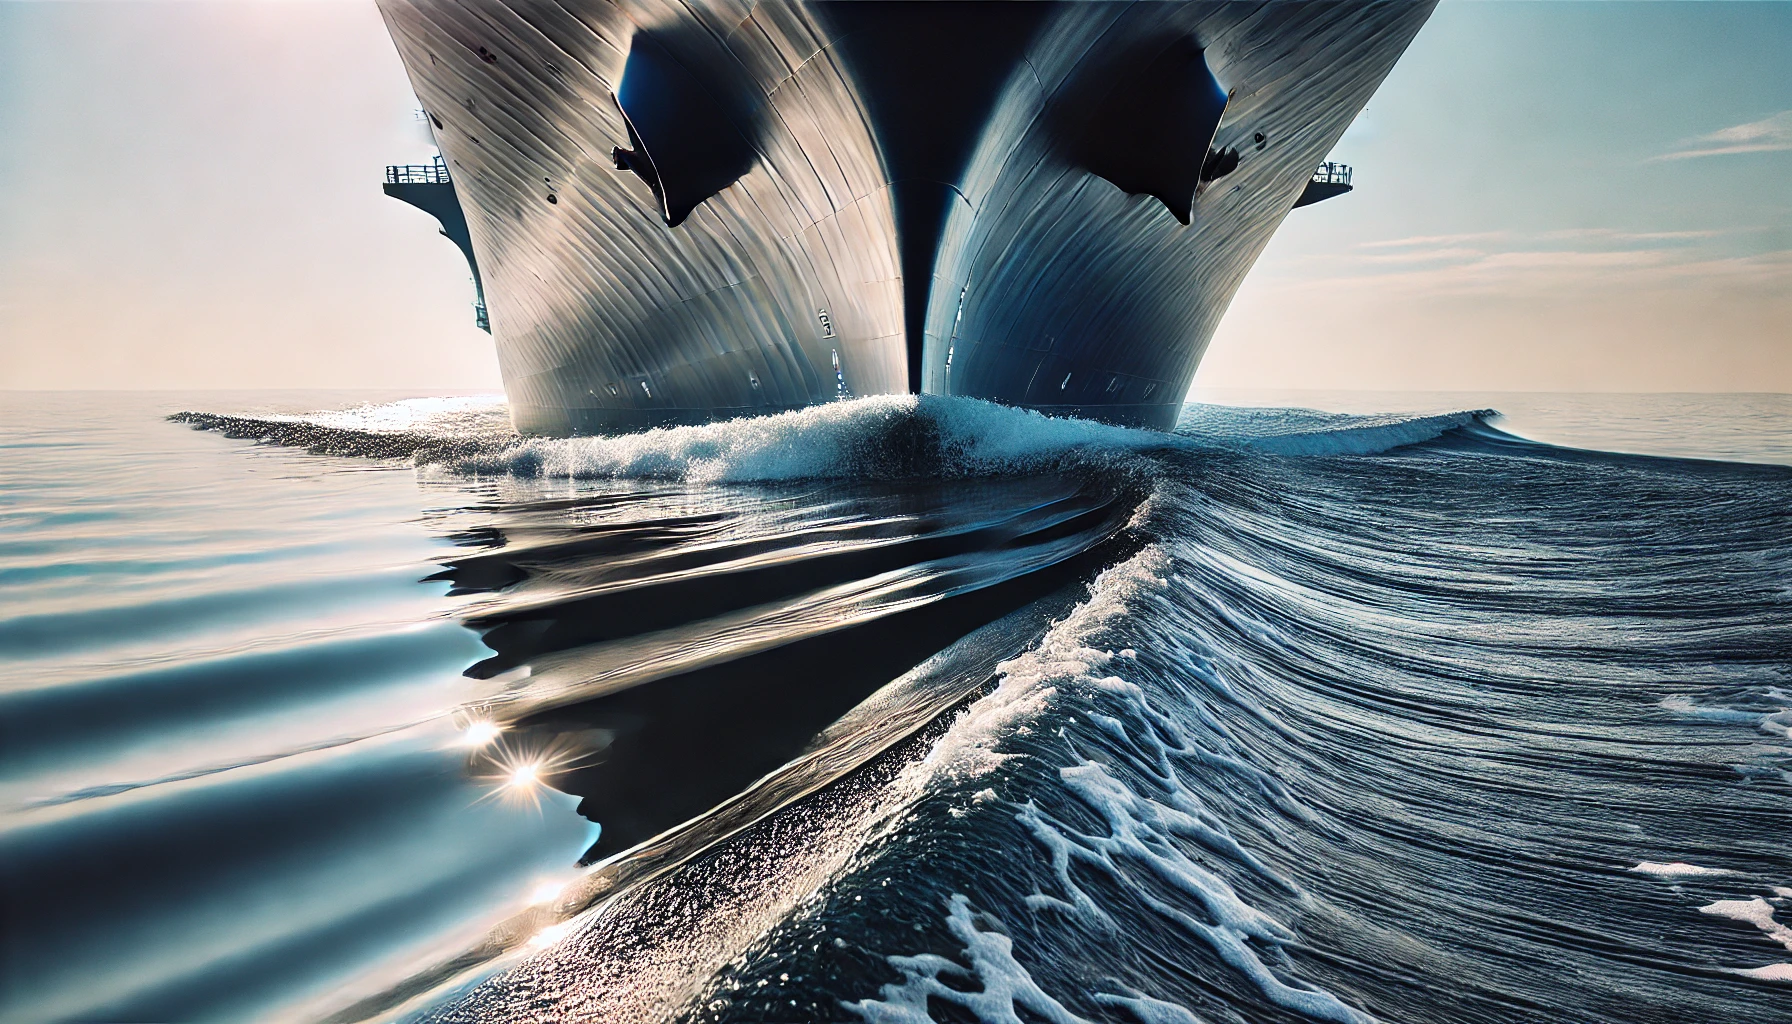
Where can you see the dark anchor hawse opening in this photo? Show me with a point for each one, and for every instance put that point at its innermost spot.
(1147, 124)
(683, 142)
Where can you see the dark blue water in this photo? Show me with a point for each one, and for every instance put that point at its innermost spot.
(898, 713)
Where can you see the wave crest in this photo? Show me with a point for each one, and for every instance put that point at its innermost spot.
(1314, 433)
(883, 437)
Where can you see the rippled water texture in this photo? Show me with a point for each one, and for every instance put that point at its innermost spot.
(898, 711)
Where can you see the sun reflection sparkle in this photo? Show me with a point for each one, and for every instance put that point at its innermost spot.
(480, 733)
(517, 767)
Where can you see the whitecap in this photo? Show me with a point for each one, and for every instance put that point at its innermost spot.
(874, 436)
(1141, 831)
(1773, 723)
(1004, 984)
(1755, 911)
(435, 415)
(1149, 1010)
(839, 440)
(1678, 869)
(1028, 683)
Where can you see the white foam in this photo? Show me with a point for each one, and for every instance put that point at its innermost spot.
(1771, 972)
(1773, 723)
(1140, 830)
(1755, 911)
(1683, 706)
(1150, 1011)
(441, 415)
(1678, 869)
(835, 440)
(1029, 682)
(850, 438)
(1004, 984)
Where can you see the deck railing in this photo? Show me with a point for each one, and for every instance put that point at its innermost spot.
(433, 173)
(1332, 174)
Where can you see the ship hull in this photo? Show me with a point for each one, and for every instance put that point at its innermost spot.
(689, 212)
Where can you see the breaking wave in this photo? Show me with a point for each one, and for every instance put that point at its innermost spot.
(886, 437)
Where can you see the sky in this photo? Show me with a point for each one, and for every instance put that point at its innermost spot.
(1551, 196)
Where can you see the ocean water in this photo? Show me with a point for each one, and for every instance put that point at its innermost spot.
(1324, 707)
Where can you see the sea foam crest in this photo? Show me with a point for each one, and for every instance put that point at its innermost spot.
(442, 415)
(1141, 832)
(883, 436)
(888, 436)
(1777, 722)
(1003, 984)
(1138, 835)
(1760, 913)
(1031, 681)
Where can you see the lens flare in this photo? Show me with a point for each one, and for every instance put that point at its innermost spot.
(518, 765)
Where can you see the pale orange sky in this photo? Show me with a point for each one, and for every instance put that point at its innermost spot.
(1550, 196)
(192, 200)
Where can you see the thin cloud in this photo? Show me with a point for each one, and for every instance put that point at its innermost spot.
(1501, 252)
(1432, 240)
(1530, 272)
(1771, 134)
(1438, 255)
(1623, 237)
